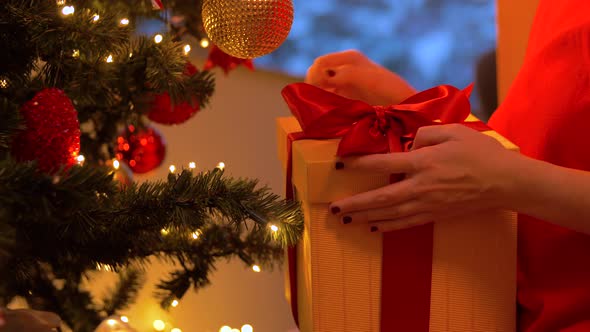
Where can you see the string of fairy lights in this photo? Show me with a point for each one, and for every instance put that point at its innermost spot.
(159, 324)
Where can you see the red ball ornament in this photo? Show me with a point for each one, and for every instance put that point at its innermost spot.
(164, 112)
(142, 149)
(218, 58)
(52, 134)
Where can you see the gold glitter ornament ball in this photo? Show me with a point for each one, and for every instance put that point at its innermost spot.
(247, 29)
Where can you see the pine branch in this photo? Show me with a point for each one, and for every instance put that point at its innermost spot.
(125, 292)
(78, 219)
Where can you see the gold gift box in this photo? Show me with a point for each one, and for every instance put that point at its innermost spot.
(473, 285)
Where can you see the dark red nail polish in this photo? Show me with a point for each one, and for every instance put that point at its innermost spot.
(339, 165)
(374, 229)
(335, 210)
(331, 73)
(347, 220)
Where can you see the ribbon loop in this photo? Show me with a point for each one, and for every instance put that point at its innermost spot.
(367, 129)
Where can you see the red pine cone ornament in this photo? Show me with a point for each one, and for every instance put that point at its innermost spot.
(218, 58)
(142, 149)
(164, 112)
(52, 134)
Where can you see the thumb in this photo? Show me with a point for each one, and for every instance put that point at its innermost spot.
(434, 135)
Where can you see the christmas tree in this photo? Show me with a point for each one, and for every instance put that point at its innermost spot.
(78, 87)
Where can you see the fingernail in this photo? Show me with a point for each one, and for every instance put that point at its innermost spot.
(347, 220)
(374, 229)
(335, 210)
(339, 165)
(331, 73)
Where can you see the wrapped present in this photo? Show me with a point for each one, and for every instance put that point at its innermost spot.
(449, 275)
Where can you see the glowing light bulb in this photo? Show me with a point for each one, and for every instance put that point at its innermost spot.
(225, 329)
(176, 329)
(174, 303)
(158, 38)
(195, 235)
(116, 164)
(274, 228)
(60, 2)
(68, 10)
(124, 21)
(164, 231)
(247, 328)
(172, 168)
(256, 268)
(187, 49)
(95, 17)
(80, 159)
(192, 165)
(221, 165)
(109, 59)
(3, 84)
(124, 319)
(159, 325)
(204, 43)
(76, 53)
(111, 322)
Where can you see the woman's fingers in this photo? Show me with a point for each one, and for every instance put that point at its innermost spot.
(379, 198)
(405, 209)
(401, 223)
(387, 163)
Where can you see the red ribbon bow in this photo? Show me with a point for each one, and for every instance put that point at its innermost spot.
(366, 129)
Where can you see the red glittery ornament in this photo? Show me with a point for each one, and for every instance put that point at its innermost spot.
(52, 134)
(218, 58)
(142, 149)
(165, 113)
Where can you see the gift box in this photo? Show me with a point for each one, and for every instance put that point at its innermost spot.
(345, 278)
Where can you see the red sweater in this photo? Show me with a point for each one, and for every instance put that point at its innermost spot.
(547, 114)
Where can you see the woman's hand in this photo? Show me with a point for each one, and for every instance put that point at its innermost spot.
(451, 170)
(28, 320)
(352, 75)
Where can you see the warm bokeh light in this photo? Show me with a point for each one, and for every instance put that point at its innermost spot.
(192, 165)
(68, 10)
(95, 17)
(187, 49)
(172, 168)
(247, 328)
(204, 43)
(221, 165)
(124, 319)
(174, 303)
(274, 228)
(195, 235)
(116, 164)
(159, 325)
(111, 322)
(225, 329)
(124, 21)
(176, 329)
(158, 38)
(76, 53)
(109, 58)
(164, 231)
(256, 268)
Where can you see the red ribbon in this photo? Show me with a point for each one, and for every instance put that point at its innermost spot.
(366, 129)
